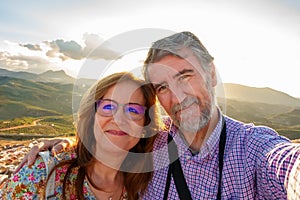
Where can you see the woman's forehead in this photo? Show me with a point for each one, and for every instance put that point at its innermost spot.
(121, 85)
(125, 90)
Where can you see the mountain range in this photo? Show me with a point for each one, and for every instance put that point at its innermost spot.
(48, 76)
(262, 95)
(50, 94)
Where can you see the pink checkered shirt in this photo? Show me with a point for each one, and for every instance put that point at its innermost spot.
(257, 164)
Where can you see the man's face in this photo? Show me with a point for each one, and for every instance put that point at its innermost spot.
(184, 89)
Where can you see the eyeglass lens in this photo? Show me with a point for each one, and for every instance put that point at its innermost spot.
(108, 108)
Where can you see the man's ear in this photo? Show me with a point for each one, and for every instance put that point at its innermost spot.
(214, 78)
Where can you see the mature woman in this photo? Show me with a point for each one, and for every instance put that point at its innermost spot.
(115, 133)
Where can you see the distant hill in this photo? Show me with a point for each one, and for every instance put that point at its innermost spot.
(48, 76)
(254, 112)
(284, 119)
(290, 118)
(19, 97)
(260, 95)
(263, 106)
(55, 76)
(48, 93)
(22, 75)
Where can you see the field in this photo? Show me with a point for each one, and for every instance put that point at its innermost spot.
(31, 128)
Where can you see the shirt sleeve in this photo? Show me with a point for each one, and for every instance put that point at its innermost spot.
(28, 183)
(274, 173)
(293, 180)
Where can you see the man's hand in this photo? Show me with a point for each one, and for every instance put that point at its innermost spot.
(53, 145)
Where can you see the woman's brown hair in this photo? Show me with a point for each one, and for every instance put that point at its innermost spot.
(135, 182)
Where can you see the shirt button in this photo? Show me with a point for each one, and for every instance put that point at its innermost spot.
(188, 157)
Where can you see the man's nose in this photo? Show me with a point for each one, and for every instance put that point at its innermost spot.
(178, 94)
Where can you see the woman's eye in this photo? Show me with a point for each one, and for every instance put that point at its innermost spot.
(133, 110)
(108, 107)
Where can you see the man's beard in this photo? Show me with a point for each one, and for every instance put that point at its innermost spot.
(193, 120)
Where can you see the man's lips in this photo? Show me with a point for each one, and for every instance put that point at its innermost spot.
(116, 132)
(184, 108)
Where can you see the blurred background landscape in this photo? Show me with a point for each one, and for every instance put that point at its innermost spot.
(44, 44)
(36, 106)
(40, 106)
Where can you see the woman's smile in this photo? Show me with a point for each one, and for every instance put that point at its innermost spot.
(116, 132)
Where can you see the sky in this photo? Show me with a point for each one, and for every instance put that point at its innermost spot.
(254, 43)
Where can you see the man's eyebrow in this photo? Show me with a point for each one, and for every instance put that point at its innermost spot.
(183, 72)
(156, 85)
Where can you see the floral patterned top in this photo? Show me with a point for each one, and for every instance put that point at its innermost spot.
(29, 182)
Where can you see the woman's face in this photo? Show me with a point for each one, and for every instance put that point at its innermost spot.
(116, 131)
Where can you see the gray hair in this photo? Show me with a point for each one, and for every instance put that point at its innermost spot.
(171, 45)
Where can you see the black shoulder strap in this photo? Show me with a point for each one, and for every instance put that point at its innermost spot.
(176, 170)
(168, 183)
(222, 144)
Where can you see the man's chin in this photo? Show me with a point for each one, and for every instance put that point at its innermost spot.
(188, 126)
(192, 124)
(188, 117)
(191, 130)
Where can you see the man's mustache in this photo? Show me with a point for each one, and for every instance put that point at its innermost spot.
(184, 104)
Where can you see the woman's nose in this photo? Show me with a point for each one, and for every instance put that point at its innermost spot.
(119, 116)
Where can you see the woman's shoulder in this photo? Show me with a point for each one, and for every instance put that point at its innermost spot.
(27, 182)
(63, 156)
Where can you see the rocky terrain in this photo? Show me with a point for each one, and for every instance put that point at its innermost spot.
(11, 154)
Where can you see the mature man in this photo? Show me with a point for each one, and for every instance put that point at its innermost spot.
(256, 160)
(221, 158)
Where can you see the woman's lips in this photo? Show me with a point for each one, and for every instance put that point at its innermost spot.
(116, 132)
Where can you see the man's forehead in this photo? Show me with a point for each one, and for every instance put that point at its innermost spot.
(159, 73)
(172, 64)
(163, 69)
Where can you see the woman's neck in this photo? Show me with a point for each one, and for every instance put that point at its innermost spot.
(105, 177)
(110, 159)
(105, 182)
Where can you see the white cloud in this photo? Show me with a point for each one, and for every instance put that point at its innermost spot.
(34, 64)
(32, 47)
(93, 49)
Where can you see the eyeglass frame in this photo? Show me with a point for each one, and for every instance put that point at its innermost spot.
(121, 105)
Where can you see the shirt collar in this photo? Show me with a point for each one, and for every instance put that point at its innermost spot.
(211, 142)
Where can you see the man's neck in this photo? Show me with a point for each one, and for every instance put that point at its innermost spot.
(196, 141)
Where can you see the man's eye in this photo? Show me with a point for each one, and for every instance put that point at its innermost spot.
(161, 88)
(184, 77)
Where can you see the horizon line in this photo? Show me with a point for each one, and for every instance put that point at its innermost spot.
(54, 70)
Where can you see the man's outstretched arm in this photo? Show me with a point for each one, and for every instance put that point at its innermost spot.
(55, 145)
